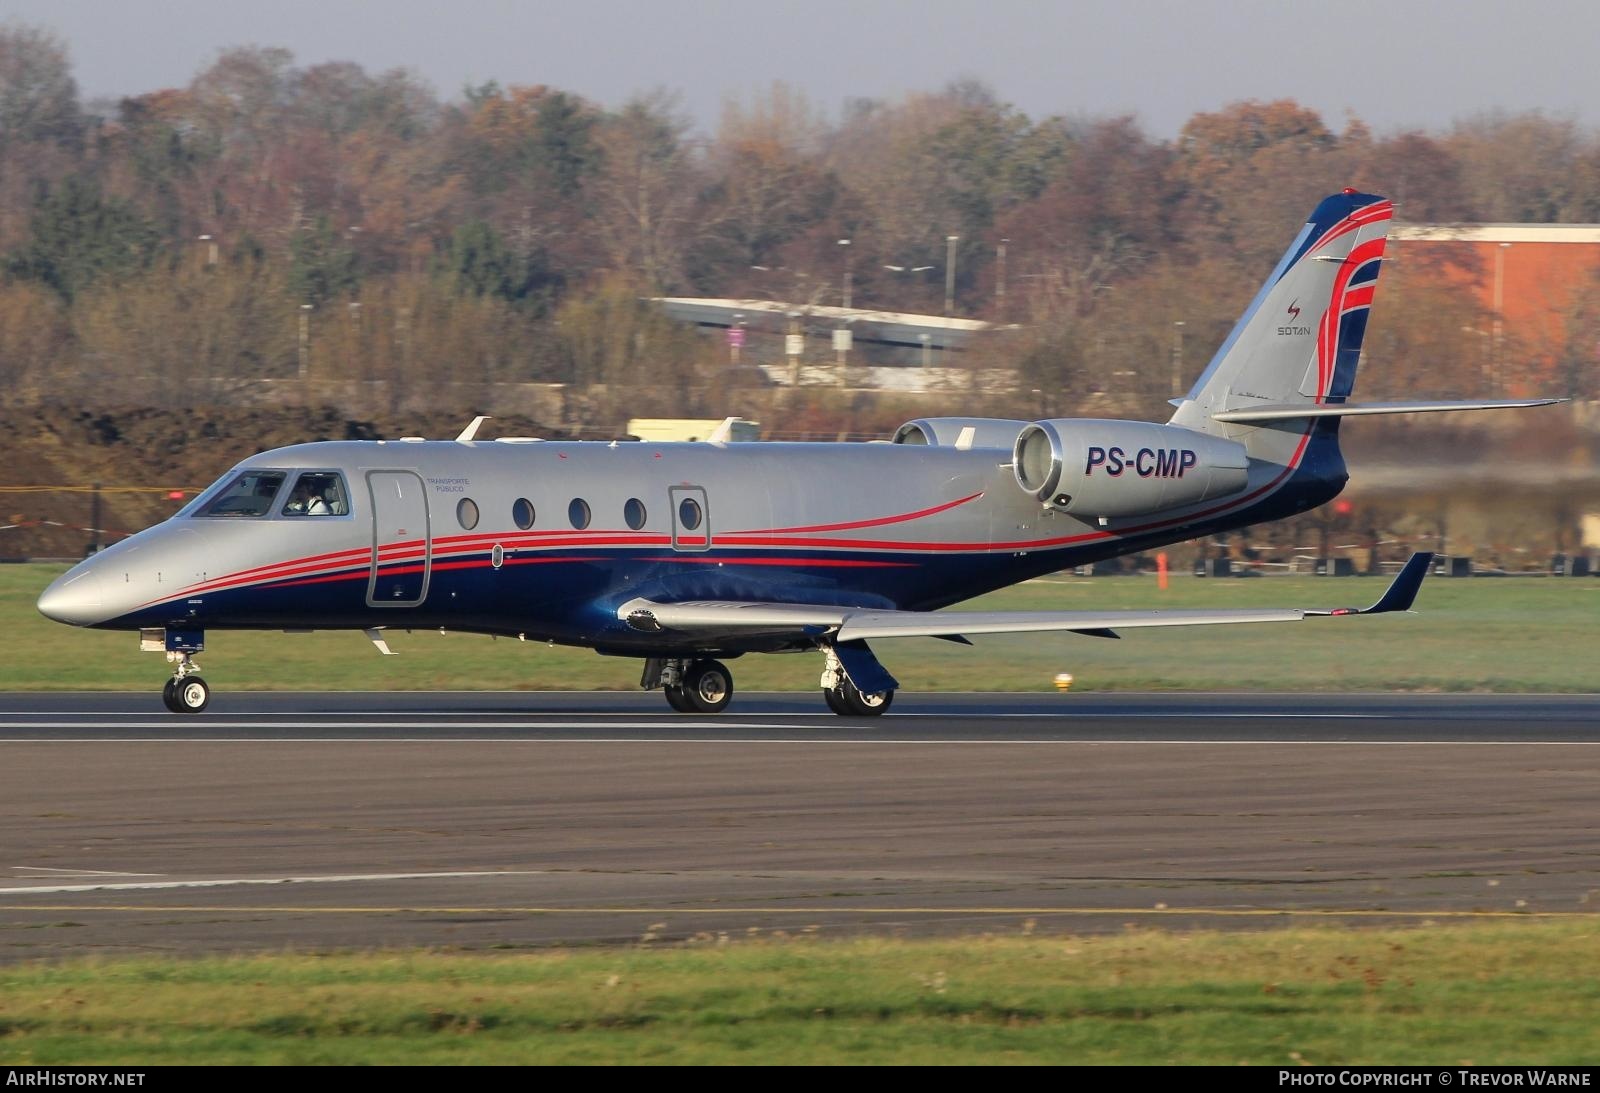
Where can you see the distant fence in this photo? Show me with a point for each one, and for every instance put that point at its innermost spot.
(61, 510)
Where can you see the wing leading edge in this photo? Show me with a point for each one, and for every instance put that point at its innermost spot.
(709, 619)
(1274, 411)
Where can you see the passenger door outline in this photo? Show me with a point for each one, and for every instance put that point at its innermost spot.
(399, 515)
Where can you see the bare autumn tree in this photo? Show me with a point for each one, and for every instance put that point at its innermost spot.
(1578, 363)
(933, 166)
(35, 339)
(1106, 212)
(1249, 171)
(525, 158)
(186, 336)
(646, 191)
(613, 339)
(38, 96)
(440, 241)
(42, 127)
(1421, 176)
(1524, 168)
(765, 186)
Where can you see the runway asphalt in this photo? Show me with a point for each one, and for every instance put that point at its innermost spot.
(504, 820)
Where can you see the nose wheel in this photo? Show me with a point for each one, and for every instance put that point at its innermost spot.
(186, 694)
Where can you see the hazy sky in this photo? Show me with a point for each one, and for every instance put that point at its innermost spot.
(1395, 64)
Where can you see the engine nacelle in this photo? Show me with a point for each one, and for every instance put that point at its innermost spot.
(1095, 467)
(944, 432)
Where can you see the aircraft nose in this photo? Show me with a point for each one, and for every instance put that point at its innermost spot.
(74, 598)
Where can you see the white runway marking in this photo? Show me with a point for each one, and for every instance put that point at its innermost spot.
(1093, 742)
(26, 869)
(664, 720)
(344, 879)
(823, 721)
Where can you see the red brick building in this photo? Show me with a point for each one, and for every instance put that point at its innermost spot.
(1533, 282)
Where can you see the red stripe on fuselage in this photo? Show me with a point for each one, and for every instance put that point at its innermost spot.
(876, 522)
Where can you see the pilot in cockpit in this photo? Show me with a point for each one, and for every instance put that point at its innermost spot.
(306, 501)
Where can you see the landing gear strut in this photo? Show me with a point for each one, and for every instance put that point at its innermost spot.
(186, 692)
(700, 686)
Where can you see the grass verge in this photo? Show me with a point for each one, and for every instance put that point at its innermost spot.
(1481, 994)
(1522, 634)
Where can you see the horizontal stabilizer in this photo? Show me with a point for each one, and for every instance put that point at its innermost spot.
(1291, 411)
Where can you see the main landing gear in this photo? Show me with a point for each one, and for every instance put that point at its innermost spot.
(698, 686)
(844, 697)
(186, 692)
(706, 686)
(847, 700)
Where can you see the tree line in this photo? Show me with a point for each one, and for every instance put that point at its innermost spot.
(269, 222)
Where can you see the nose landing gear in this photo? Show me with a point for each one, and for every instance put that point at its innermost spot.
(186, 692)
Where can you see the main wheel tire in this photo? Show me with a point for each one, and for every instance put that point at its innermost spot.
(708, 686)
(858, 703)
(835, 701)
(169, 696)
(190, 695)
(677, 699)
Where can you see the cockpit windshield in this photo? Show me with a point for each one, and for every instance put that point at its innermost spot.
(250, 493)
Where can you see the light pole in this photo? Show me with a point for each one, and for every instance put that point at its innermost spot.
(1000, 281)
(1177, 357)
(1499, 303)
(844, 244)
(305, 339)
(950, 242)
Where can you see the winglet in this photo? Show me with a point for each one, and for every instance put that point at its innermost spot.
(1400, 594)
(1402, 591)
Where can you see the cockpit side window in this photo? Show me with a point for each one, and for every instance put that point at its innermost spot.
(250, 493)
(318, 493)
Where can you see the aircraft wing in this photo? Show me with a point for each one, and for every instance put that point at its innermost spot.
(847, 624)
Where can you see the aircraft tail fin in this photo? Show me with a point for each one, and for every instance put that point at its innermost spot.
(1300, 339)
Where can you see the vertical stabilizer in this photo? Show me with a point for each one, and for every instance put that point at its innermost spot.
(1300, 338)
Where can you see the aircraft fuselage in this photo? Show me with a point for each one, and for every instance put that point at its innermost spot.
(866, 525)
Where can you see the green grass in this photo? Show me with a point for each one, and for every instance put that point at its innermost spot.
(1523, 634)
(1503, 993)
